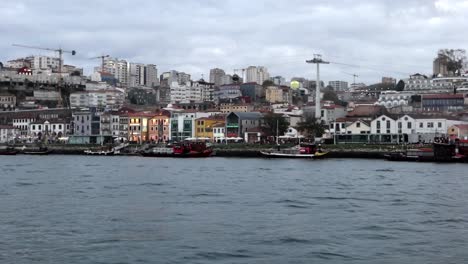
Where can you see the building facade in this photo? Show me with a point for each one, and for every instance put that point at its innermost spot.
(338, 85)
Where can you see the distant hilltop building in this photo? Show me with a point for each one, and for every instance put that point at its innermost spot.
(388, 80)
(143, 75)
(167, 78)
(450, 62)
(257, 74)
(216, 76)
(339, 85)
(118, 68)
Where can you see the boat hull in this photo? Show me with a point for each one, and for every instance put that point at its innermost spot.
(291, 155)
(37, 152)
(204, 154)
(100, 153)
(8, 153)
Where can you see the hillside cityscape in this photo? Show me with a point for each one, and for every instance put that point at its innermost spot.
(43, 99)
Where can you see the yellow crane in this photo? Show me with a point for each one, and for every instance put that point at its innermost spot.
(102, 57)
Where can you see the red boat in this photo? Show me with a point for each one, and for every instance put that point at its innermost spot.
(181, 150)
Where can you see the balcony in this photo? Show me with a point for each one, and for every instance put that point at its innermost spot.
(232, 125)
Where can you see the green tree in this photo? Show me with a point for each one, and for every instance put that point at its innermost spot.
(330, 95)
(310, 127)
(267, 83)
(400, 86)
(271, 121)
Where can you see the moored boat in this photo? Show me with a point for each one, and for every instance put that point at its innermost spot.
(303, 151)
(181, 150)
(99, 152)
(40, 151)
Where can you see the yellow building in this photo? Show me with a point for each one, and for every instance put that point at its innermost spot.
(228, 108)
(204, 126)
(273, 94)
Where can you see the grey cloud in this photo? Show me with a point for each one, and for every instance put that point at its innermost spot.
(392, 38)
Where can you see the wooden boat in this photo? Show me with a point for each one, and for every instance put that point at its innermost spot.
(303, 151)
(8, 152)
(421, 154)
(40, 151)
(182, 150)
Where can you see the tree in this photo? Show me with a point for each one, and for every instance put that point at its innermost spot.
(400, 86)
(454, 59)
(310, 127)
(267, 83)
(330, 95)
(271, 121)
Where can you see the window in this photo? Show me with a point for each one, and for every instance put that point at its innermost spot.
(378, 125)
(34, 127)
(421, 125)
(358, 124)
(388, 124)
(430, 124)
(408, 125)
(439, 124)
(400, 125)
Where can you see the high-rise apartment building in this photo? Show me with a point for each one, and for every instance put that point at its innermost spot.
(338, 85)
(143, 75)
(118, 68)
(216, 76)
(257, 74)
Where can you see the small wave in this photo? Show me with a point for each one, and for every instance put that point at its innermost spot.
(86, 175)
(344, 198)
(105, 241)
(293, 240)
(206, 195)
(151, 184)
(220, 255)
(372, 228)
(265, 169)
(111, 187)
(92, 165)
(329, 255)
(34, 171)
(385, 170)
(295, 203)
(24, 184)
(448, 220)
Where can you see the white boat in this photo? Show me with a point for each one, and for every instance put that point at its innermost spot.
(303, 151)
(100, 152)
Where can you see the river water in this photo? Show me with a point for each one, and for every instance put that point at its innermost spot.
(78, 209)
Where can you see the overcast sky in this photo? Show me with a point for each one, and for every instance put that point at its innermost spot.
(384, 38)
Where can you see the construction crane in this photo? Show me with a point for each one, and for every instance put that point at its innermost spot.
(59, 50)
(102, 57)
(243, 71)
(354, 76)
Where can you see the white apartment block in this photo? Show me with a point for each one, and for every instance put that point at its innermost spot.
(421, 83)
(118, 68)
(191, 92)
(101, 98)
(257, 74)
(216, 76)
(143, 75)
(338, 85)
